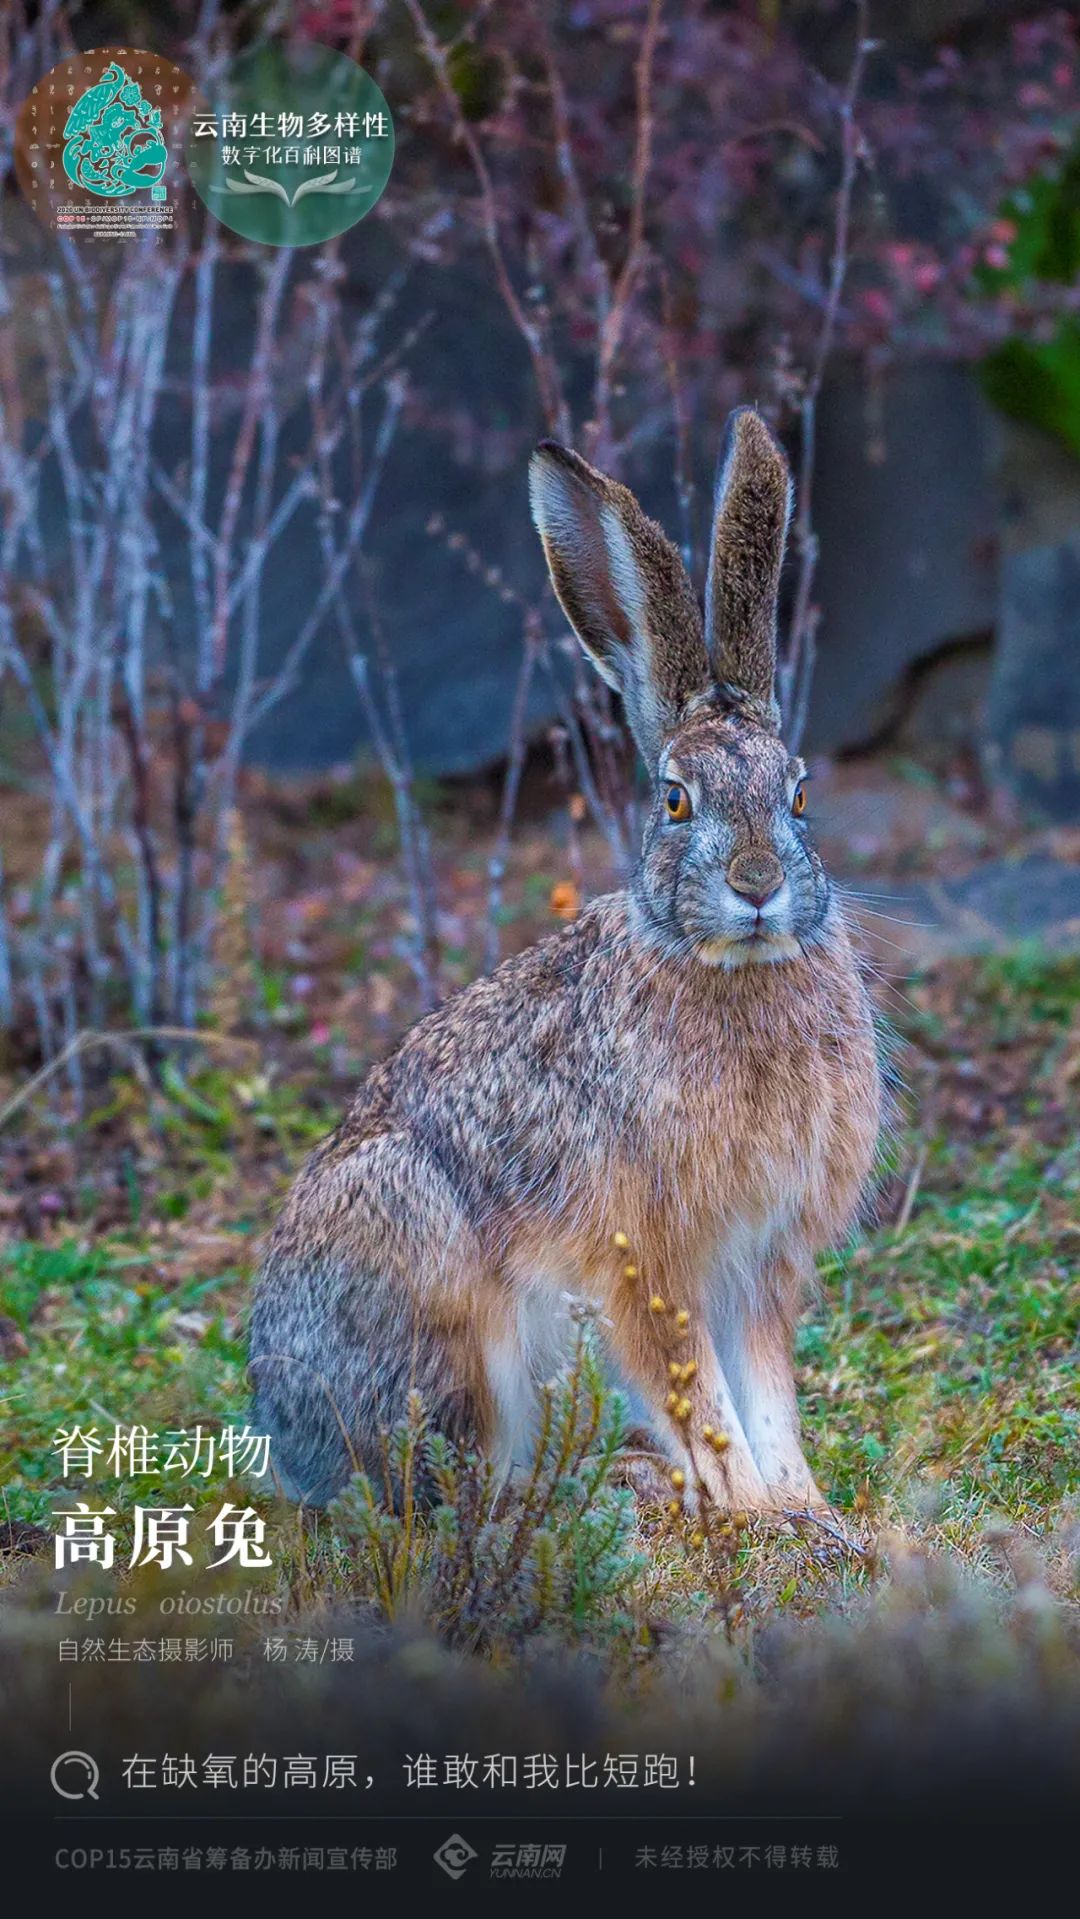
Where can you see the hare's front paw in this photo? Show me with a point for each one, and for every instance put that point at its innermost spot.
(732, 1483)
(797, 1493)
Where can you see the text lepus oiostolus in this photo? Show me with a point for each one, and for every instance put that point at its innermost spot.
(690, 1064)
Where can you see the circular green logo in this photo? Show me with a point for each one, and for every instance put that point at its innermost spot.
(296, 148)
(98, 143)
(112, 138)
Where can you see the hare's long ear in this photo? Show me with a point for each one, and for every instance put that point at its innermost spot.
(753, 506)
(624, 590)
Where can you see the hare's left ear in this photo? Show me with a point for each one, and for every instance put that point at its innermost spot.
(753, 507)
(623, 589)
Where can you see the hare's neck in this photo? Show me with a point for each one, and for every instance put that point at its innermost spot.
(797, 984)
(723, 983)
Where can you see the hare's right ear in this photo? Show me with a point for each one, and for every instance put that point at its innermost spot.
(623, 589)
(753, 507)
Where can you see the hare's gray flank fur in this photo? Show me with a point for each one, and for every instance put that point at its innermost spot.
(690, 1064)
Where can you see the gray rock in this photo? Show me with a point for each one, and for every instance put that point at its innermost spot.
(1024, 899)
(998, 905)
(1033, 719)
(905, 516)
(904, 506)
(1034, 704)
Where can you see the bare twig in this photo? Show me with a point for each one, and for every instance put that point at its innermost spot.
(7, 998)
(684, 483)
(797, 665)
(545, 370)
(85, 1040)
(532, 645)
(391, 746)
(807, 1516)
(142, 713)
(615, 320)
(139, 751)
(911, 1191)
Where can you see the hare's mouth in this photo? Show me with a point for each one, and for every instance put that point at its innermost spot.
(759, 948)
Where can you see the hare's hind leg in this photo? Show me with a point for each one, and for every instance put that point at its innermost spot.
(369, 1293)
(529, 1340)
(328, 1394)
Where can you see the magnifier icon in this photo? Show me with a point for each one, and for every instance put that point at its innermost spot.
(84, 1769)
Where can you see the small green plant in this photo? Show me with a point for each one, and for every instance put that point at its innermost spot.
(489, 1565)
(1037, 378)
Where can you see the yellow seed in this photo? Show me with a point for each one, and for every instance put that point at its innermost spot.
(683, 1410)
(674, 1508)
(675, 1369)
(678, 1479)
(720, 1442)
(620, 1242)
(689, 1370)
(708, 1435)
(656, 1304)
(697, 1539)
(630, 1272)
(682, 1318)
(740, 1522)
(672, 1402)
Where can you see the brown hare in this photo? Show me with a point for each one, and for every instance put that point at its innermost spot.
(688, 1070)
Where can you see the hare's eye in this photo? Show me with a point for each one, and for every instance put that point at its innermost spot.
(677, 801)
(798, 801)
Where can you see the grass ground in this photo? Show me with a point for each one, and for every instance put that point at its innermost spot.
(937, 1374)
(937, 1366)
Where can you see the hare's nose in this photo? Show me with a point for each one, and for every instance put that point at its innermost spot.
(757, 876)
